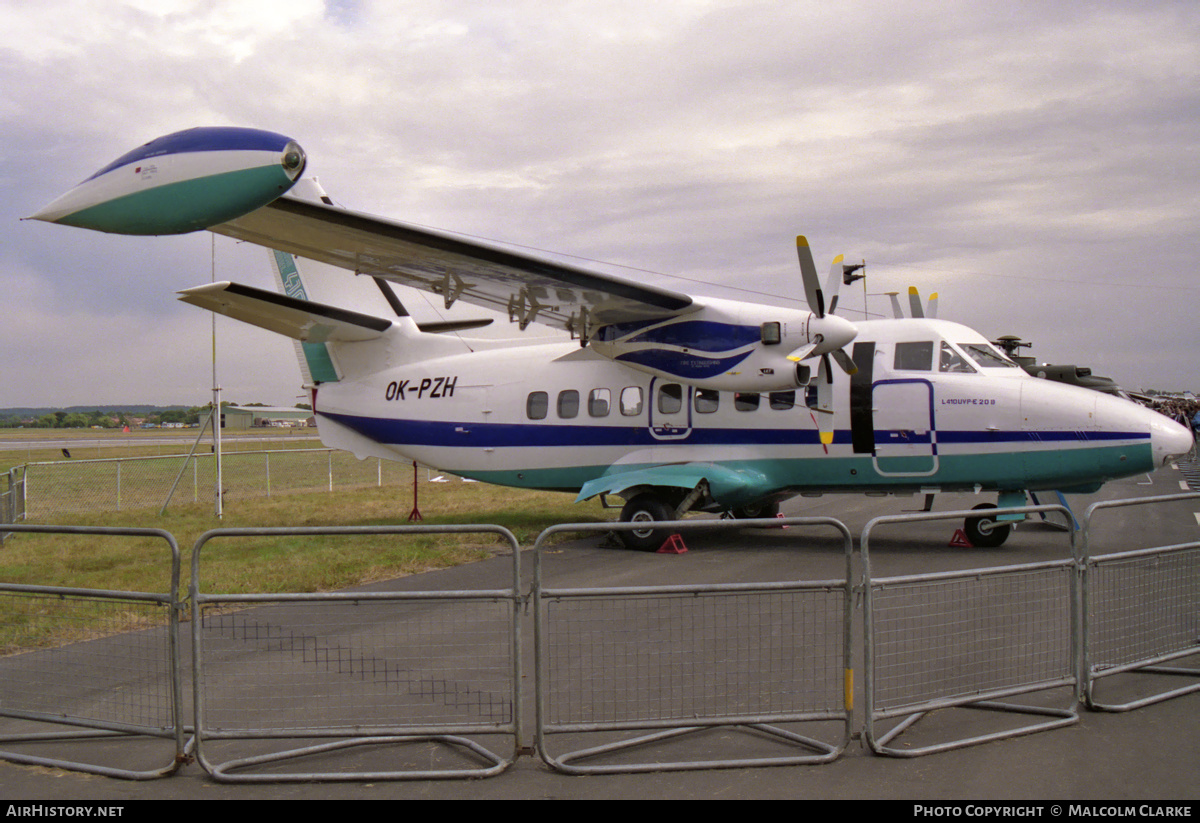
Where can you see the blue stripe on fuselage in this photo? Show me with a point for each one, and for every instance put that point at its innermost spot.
(705, 335)
(687, 366)
(396, 432)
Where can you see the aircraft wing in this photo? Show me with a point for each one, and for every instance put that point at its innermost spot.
(530, 288)
(731, 487)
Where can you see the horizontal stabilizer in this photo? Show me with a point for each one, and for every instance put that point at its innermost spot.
(299, 319)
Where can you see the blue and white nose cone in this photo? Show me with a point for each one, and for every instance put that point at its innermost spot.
(183, 182)
(1169, 439)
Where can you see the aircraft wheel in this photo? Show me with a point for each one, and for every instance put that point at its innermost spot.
(984, 532)
(756, 510)
(645, 508)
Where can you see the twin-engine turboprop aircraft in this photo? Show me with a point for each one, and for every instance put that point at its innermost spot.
(672, 402)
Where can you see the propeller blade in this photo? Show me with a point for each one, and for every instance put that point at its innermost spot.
(845, 361)
(897, 312)
(931, 309)
(825, 401)
(834, 283)
(808, 272)
(802, 352)
(914, 302)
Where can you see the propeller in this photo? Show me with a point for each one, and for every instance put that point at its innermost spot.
(827, 333)
(914, 302)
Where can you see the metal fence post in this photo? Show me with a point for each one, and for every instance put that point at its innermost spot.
(127, 650)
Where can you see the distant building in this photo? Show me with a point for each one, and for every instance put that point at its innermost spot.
(253, 417)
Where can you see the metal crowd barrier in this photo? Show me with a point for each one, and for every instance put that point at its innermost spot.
(669, 661)
(1141, 609)
(621, 672)
(357, 668)
(968, 639)
(95, 665)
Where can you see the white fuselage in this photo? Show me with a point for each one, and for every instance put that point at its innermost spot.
(925, 411)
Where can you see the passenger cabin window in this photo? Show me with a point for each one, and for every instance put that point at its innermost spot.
(631, 401)
(536, 405)
(771, 334)
(745, 401)
(951, 361)
(781, 400)
(598, 402)
(707, 401)
(568, 404)
(670, 398)
(914, 356)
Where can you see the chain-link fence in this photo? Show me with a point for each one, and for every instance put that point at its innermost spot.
(120, 484)
(12, 499)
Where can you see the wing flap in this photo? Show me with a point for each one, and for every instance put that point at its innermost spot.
(529, 287)
(301, 320)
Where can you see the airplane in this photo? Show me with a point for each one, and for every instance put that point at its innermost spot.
(1011, 345)
(673, 402)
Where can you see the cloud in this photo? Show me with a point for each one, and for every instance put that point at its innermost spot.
(1033, 162)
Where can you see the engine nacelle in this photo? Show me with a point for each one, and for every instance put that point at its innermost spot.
(724, 347)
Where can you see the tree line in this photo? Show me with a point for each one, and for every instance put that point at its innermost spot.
(110, 419)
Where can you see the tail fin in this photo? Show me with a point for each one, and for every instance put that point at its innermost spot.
(330, 286)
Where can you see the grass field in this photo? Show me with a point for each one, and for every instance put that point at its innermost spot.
(22, 446)
(281, 564)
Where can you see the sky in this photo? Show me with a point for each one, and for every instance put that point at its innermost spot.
(1035, 163)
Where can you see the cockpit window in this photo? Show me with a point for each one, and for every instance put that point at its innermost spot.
(914, 356)
(949, 360)
(986, 356)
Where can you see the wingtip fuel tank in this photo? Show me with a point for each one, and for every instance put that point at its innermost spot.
(182, 182)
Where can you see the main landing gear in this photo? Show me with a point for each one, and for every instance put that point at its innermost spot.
(983, 531)
(754, 511)
(645, 508)
(649, 507)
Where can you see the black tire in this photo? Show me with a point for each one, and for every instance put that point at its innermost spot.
(645, 508)
(984, 532)
(755, 510)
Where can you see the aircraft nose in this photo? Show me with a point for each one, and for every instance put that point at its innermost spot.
(1169, 439)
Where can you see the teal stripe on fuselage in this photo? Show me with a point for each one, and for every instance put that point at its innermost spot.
(189, 205)
(993, 460)
(1046, 470)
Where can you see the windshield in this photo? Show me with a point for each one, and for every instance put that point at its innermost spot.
(950, 360)
(986, 356)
